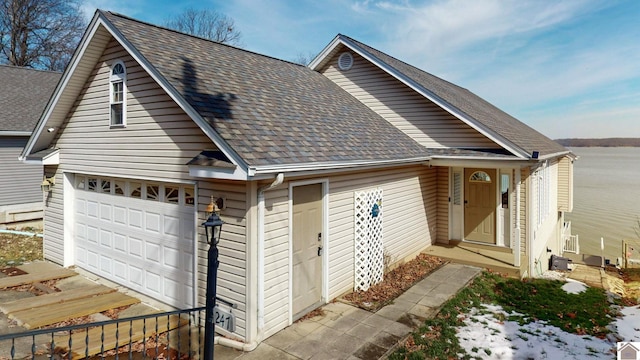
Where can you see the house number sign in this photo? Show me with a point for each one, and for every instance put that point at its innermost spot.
(224, 319)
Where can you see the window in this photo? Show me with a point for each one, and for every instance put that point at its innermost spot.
(457, 188)
(172, 194)
(118, 94)
(504, 190)
(480, 176)
(153, 192)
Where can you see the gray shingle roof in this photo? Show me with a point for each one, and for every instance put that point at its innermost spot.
(269, 111)
(24, 94)
(503, 124)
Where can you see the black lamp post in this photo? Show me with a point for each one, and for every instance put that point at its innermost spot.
(212, 228)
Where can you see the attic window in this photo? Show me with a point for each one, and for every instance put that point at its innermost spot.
(345, 61)
(118, 95)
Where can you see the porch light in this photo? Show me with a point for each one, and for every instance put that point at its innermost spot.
(48, 183)
(212, 228)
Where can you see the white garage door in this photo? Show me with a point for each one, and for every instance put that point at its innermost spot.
(138, 234)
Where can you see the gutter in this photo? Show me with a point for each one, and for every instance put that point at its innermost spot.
(330, 166)
(261, 209)
(15, 133)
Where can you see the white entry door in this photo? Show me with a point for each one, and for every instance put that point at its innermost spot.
(307, 248)
(137, 234)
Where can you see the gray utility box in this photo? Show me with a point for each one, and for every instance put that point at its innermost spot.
(559, 263)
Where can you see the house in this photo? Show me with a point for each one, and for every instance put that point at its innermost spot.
(25, 93)
(626, 351)
(320, 173)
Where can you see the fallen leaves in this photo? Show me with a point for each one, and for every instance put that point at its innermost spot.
(395, 282)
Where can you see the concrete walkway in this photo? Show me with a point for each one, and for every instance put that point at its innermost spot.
(347, 332)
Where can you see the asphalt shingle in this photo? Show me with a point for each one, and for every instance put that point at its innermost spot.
(24, 94)
(269, 111)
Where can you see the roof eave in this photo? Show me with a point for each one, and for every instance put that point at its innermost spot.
(313, 168)
(492, 135)
(57, 92)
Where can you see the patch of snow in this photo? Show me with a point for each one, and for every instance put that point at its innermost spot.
(488, 335)
(554, 275)
(574, 286)
(629, 325)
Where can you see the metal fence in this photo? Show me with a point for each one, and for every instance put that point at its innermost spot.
(168, 335)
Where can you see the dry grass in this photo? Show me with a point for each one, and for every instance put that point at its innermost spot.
(18, 249)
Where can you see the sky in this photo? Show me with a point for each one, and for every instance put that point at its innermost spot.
(570, 69)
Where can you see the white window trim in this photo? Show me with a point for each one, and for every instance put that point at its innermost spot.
(114, 79)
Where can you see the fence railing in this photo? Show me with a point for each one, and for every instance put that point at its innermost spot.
(630, 254)
(168, 335)
(570, 243)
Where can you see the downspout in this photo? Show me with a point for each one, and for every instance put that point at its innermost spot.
(235, 344)
(261, 209)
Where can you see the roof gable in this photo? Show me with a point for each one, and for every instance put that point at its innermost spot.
(513, 135)
(25, 93)
(269, 111)
(259, 111)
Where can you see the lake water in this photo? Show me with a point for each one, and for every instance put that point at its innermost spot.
(606, 200)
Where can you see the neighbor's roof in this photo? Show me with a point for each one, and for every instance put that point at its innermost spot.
(23, 95)
(268, 110)
(483, 115)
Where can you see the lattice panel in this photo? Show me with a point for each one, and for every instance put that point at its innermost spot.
(369, 250)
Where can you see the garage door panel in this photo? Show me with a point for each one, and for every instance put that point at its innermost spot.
(105, 264)
(92, 234)
(105, 212)
(135, 247)
(120, 215)
(81, 207)
(171, 257)
(152, 281)
(105, 239)
(135, 218)
(120, 243)
(171, 225)
(152, 222)
(120, 270)
(152, 252)
(135, 275)
(146, 245)
(92, 209)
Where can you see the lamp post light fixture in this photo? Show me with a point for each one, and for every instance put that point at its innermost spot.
(212, 228)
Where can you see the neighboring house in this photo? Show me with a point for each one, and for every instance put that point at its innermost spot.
(324, 171)
(24, 94)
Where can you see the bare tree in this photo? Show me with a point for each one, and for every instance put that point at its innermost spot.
(304, 59)
(39, 33)
(206, 23)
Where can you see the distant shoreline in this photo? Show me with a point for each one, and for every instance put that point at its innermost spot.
(604, 142)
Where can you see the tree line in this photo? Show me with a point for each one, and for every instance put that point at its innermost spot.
(604, 142)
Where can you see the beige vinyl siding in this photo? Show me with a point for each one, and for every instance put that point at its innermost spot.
(19, 182)
(157, 142)
(53, 228)
(442, 235)
(409, 225)
(233, 257)
(409, 111)
(565, 184)
(524, 181)
(276, 254)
